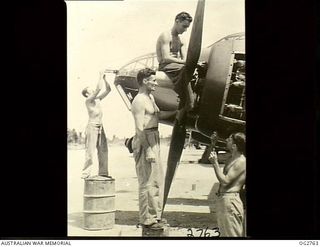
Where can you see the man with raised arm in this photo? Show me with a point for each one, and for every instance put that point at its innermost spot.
(95, 136)
(146, 151)
(229, 207)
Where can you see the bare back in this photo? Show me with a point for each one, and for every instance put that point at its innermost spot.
(236, 171)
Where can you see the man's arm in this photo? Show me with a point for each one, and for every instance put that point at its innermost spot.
(108, 88)
(235, 171)
(163, 115)
(138, 111)
(98, 89)
(183, 52)
(164, 40)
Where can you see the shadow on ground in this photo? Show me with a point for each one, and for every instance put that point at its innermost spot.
(210, 201)
(212, 197)
(187, 201)
(175, 219)
(190, 220)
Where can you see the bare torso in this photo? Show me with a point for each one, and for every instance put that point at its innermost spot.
(237, 183)
(94, 111)
(150, 118)
(174, 42)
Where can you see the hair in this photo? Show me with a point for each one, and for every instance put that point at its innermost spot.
(184, 16)
(144, 73)
(85, 92)
(239, 139)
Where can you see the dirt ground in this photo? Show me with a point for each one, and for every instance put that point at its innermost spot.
(190, 205)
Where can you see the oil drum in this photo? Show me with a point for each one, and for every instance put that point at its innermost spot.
(99, 203)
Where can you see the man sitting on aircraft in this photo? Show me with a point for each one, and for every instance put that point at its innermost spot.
(229, 207)
(171, 56)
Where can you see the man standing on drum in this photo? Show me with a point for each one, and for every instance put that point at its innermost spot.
(95, 135)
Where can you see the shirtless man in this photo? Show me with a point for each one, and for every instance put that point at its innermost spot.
(146, 151)
(95, 135)
(229, 207)
(171, 56)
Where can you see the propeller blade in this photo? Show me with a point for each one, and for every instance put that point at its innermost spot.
(194, 48)
(175, 151)
(179, 130)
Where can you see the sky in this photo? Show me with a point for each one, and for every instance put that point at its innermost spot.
(108, 34)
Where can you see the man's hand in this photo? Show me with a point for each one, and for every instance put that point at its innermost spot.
(107, 86)
(150, 156)
(213, 138)
(101, 75)
(213, 157)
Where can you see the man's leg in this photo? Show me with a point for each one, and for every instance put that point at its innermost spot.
(156, 178)
(230, 217)
(143, 169)
(220, 216)
(234, 218)
(102, 146)
(91, 142)
(176, 72)
(184, 90)
(189, 98)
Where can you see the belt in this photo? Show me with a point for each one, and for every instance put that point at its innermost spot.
(100, 128)
(153, 128)
(94, 124)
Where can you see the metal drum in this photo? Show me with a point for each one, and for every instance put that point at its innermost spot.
(99, 203)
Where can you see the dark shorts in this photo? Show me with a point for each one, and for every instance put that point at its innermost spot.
(175, 71)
